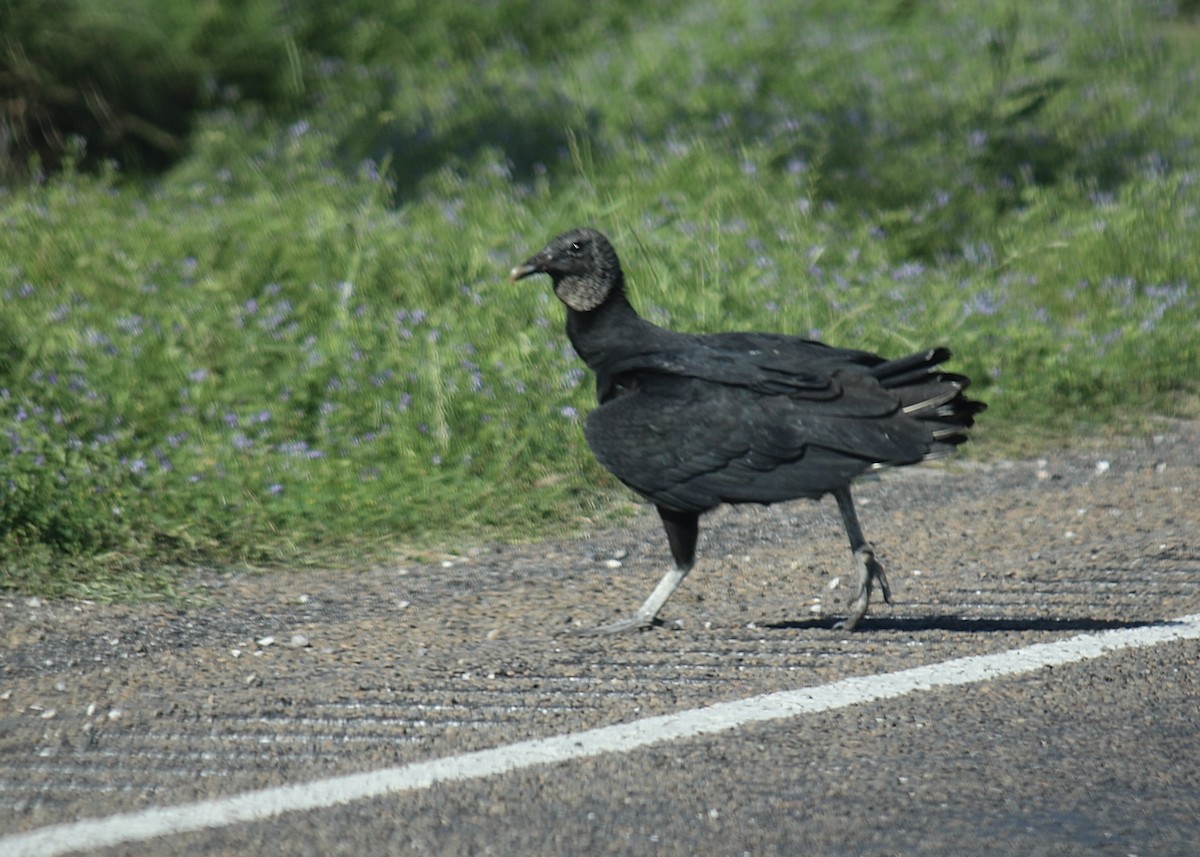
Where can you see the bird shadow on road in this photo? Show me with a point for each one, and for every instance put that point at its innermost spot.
(961, 624)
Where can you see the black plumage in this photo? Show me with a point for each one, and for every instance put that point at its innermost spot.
(691, 421)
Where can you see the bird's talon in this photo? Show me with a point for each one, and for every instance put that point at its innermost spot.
(621, 626)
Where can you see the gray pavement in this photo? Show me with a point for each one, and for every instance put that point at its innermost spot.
(287, 678)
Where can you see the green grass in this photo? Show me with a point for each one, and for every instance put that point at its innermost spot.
(298, 344)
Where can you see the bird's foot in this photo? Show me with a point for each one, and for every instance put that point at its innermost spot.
(636, 622)
(870, 572)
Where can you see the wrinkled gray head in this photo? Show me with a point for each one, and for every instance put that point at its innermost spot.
(582, 264)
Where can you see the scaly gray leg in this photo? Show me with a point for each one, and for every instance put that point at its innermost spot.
(644, 617)
(868, 568)
(682, 530)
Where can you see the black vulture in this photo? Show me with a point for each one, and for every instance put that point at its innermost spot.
(690, 421)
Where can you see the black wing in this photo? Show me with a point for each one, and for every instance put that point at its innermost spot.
(690, 444)
(763, 363)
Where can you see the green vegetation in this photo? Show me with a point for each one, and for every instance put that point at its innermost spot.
(262, 315)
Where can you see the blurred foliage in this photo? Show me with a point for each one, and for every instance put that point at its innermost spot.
(123, 80)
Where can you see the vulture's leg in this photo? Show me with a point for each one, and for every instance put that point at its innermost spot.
(869, 570)
(682, 529)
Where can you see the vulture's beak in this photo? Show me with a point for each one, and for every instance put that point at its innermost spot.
(522, 271)
(532, 265)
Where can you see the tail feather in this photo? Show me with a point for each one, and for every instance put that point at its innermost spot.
(932, 396)
(895, 373)
(935, 395)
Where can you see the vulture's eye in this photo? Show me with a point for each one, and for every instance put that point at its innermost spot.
(575, 249)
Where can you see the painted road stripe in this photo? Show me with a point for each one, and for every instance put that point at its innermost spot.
(268, 803)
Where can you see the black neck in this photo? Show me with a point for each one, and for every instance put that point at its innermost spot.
(609, 329)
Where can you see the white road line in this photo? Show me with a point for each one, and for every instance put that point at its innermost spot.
(267, 803)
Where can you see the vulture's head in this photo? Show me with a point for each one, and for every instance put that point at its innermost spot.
(583, 266)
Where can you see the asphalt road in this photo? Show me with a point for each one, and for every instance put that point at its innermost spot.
(298, 678)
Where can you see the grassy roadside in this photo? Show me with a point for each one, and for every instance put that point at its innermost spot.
(299, 343)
